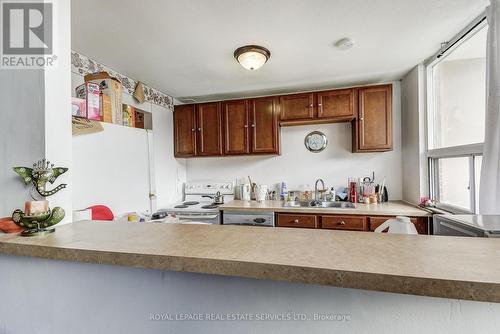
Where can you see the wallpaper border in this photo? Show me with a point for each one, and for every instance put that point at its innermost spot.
(83, 65)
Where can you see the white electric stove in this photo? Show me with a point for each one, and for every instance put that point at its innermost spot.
(198, 204)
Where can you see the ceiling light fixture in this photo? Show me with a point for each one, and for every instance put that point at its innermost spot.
(345, 43)
(252, 57)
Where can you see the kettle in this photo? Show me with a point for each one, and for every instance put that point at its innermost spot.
(399, 225)
(218, 198)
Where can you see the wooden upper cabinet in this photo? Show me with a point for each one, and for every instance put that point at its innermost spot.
(264, 125)
(297, 107)
(336, 104)
(236, 131)
(252, 126)
(209, 129)
(184, 131)
(373, 127)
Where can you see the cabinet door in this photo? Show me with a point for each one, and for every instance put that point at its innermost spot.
(264, 125)
(373, 128)
(209, 129)
(336, 104)
(297, 107)
(184, 131)
(304, 221)
(236, 134)
(420, 223)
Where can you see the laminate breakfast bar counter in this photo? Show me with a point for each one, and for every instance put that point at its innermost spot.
(449, 267)
(434, 266)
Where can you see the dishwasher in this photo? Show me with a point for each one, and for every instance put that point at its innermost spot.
(265, 219)
(485, 226)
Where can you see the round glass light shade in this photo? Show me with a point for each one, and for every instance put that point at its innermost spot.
(252, 57)
(252, 60)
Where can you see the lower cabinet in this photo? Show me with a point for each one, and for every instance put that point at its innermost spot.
(342, 222)
(421, 224)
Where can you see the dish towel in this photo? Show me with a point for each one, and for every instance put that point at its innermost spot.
(489, 191)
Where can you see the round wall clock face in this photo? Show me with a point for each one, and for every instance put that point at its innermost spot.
(316, 141)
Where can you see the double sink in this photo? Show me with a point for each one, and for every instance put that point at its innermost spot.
(319, 204)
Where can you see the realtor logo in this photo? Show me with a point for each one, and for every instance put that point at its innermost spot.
(27, 34)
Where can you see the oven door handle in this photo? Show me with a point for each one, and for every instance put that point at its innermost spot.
(197, 217)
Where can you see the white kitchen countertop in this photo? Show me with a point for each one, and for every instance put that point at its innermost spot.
(392, 208)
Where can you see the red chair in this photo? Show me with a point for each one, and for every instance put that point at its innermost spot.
(101, 212)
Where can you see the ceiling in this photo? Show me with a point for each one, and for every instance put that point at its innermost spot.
(185, 47)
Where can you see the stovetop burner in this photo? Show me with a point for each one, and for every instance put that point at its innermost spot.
(180, 206)
(191, 203)
(210, 206)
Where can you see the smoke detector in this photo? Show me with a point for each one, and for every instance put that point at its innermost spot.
(345, 43)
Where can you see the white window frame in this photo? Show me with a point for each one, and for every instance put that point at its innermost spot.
(433, 155)
(433, 165)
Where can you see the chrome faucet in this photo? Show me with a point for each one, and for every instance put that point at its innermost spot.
(316, 201)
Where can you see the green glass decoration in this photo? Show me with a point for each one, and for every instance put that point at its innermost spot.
(43, 172)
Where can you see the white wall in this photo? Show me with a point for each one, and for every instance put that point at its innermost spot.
(123, 299)
(35, 120)
(127, 194)
(111, 169)
(22, 95)
(413, 140)
(297, 166)
(57, 103)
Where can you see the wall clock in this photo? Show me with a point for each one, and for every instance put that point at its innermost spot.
(316, 141)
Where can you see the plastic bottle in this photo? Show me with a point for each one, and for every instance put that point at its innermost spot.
(332, 194)
(283, 191)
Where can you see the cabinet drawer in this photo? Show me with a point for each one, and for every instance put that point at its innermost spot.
(357, 223)
(307, 221)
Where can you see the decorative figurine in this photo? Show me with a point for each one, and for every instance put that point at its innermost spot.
(38, 217)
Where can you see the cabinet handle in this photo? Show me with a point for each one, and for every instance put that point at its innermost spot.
(361, 118)
(320, 105)
(311, 106)
(245, 126)
(342, 222)
(296, 221)
(192, 130)
(199, 129)
(253, 125)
